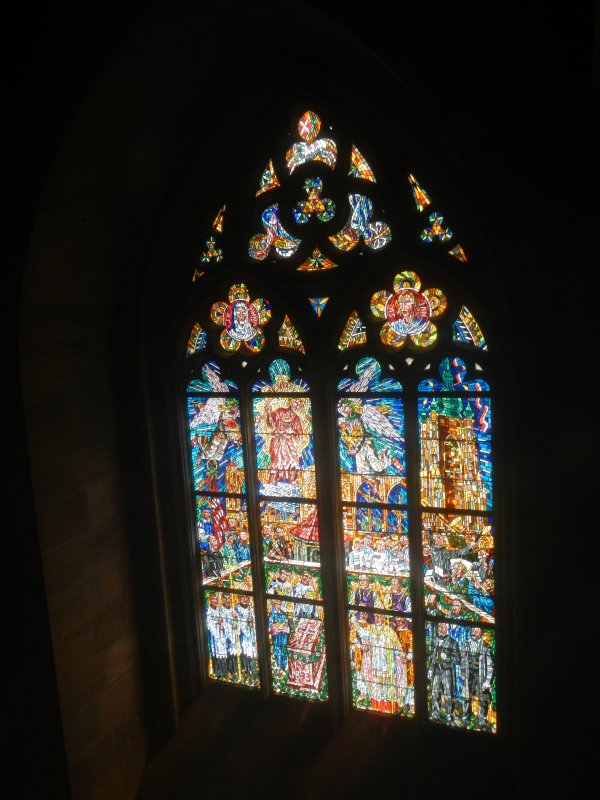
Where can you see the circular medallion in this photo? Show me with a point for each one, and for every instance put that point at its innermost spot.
(408, 312)
(241, 320)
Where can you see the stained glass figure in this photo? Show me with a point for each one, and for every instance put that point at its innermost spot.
(224, 542)
(436, 230)
(212, 252)
(408, 312)
(359, 226)
(318, 304)
(268, 180)
(216, 444)
(461, 683)
(455, 434)
(467, 330)
(196, 340)
(297, 644)
(323, 208)
(283, 430)
(290, 532)
(275, 237)
(231, 632)
(458, 252)
(375, 525)
(371, 431)
(354, 333)
(289, 337)
(218, 220)
(421, 197)
(316, 261)
(458, 555)
(359, 167)
(381, 651)
(310, 148)
(241, 319)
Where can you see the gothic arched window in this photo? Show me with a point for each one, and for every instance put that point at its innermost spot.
(339, 437)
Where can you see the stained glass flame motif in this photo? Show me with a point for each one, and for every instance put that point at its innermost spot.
(223, 539)
(274, 238)
(420, 195)
(311, 148)
(455, 428)
(359, 168)
(268, 179)
(375, 235)
(290, 533)
(374, 518)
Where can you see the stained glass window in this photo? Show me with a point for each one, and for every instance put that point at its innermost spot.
(340, 440)
(222, 530)
(283, 432)
(375, 530)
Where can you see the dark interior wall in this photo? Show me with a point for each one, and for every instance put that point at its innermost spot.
(115, 176)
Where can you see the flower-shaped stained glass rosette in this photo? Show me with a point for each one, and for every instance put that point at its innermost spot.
(241, 319)
(408, 312)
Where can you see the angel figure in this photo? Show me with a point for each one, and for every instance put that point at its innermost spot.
(215, 420)
(361, 424)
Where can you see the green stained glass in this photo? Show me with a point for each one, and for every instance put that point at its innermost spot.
(212, 252)
(436, 230)
(268, 179)
(293, 580)
(196, 340)
(467, 330)
(322, 208)
(359, 168)
(289, 337)
(354, 333)
(231, 632)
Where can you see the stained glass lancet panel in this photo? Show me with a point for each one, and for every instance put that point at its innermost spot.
(377, 578)
(455, 426)
(289, 521)
(217, 462)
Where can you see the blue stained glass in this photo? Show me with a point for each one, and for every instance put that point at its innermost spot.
(368, 372)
